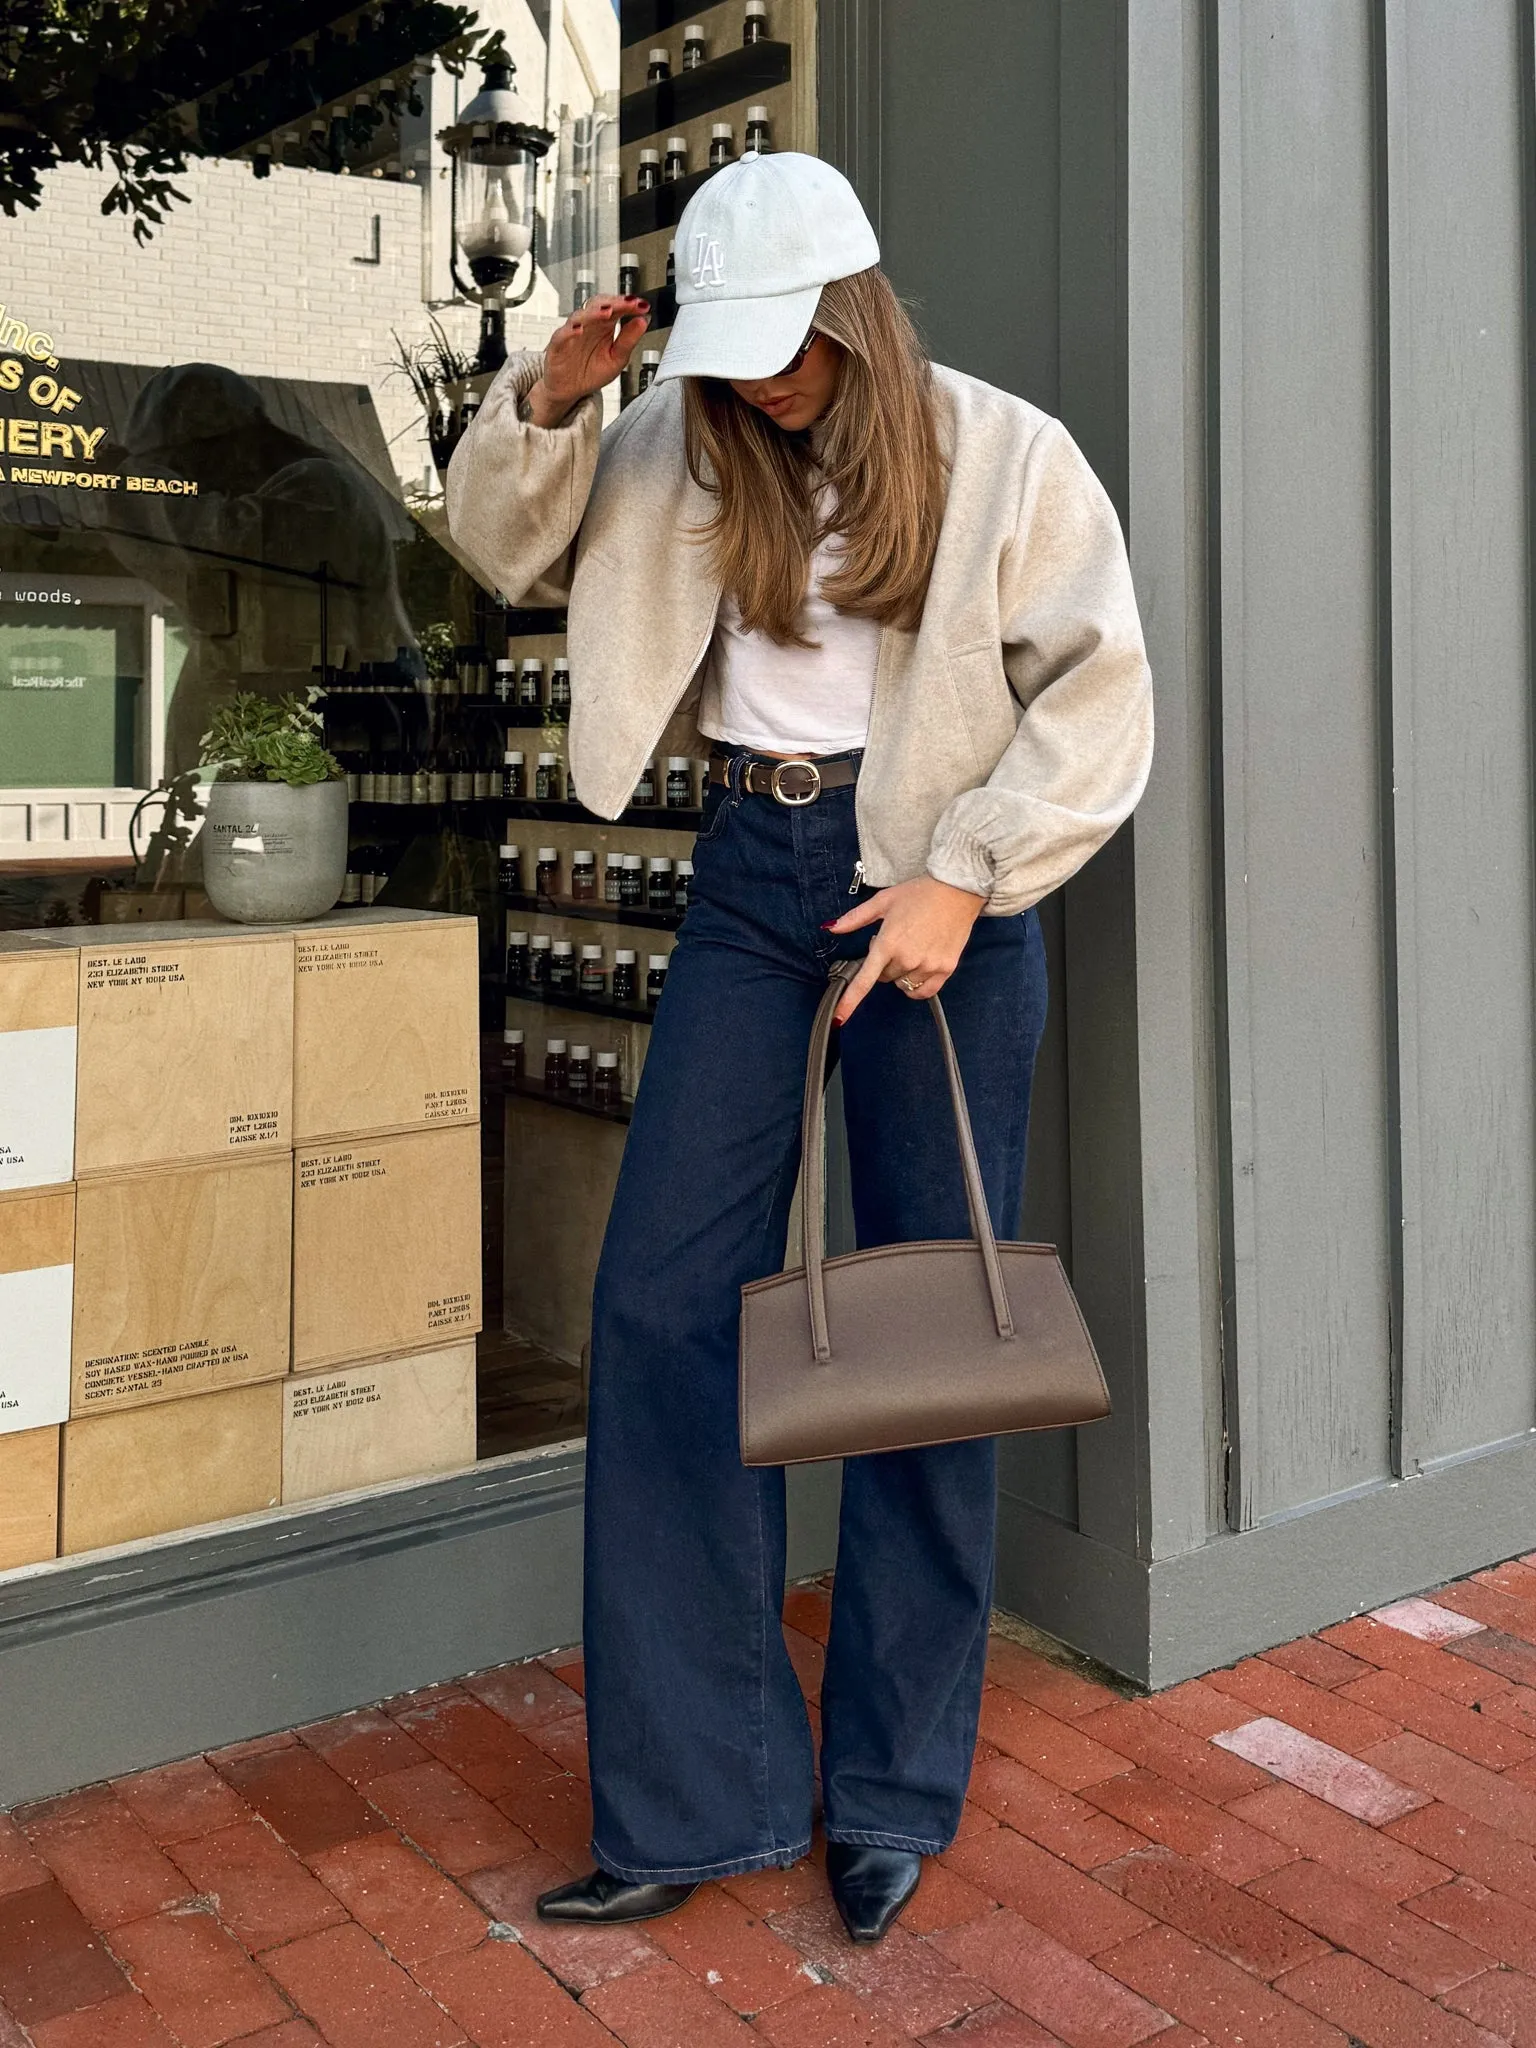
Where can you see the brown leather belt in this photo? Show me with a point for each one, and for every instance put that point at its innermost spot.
(793, 782)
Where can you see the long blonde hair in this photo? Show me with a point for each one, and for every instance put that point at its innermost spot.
(876, 446)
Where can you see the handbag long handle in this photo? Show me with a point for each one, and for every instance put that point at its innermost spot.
(813, 1199)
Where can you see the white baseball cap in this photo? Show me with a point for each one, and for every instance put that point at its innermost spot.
(755, 245)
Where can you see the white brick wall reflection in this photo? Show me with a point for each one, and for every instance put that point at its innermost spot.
(262, 275)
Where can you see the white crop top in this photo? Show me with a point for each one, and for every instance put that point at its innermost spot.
(793, 700)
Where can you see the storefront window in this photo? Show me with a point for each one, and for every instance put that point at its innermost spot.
(221, 459)
(221, 464)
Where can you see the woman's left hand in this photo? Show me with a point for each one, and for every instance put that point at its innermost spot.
(924, 925)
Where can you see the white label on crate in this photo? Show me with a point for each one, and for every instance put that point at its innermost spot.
(34, 1346)
(37, 1107)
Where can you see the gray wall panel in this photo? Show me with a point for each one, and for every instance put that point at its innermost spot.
(968, 201)
(1461, 696)
(1176, 1106)
(1303, 988)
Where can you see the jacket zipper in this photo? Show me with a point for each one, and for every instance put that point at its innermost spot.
(882, 658)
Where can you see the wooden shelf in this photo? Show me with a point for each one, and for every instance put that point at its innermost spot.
(656, 817)
(530, 1091)
(509, 714)
(740, 74)
(596, 913)
(573, 1000)
(646, 213)
(642, 21)
(663, 304)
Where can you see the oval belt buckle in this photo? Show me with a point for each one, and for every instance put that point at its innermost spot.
(807, 796)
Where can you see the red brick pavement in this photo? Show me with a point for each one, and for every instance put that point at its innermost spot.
(1332, 1845)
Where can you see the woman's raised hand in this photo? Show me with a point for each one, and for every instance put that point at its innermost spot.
(586, 353)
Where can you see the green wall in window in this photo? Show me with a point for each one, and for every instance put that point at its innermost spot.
(69, 695)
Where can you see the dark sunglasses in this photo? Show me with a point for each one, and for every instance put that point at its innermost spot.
(798, 357)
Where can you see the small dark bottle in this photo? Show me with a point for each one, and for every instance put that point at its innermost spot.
(650, 363)
(629, 276)
(722, 144)
(593, 981)
(546, 874)
(674, 165)
(631, 883)
(512, 1055)
(556, 1066)
(512, 784)
(579, 1073)
(517, 959)
(626, 976)
(530, 684)
(758, 141)
(658, 67)
(679, 782)
(538, 961)
(562, 967)
(586, 288)
(754, 28)
(648, 174)
(546, 779)
(506, 680)
(694, 49)
(658, 884)
(510, 859)
(682, 884)
(560, 689)
(605, 1081)
(583, 877)
(671, 263)
(645, 788)
(656, 979)
(613, 869)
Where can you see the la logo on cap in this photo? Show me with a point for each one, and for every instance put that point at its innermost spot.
(708, 262)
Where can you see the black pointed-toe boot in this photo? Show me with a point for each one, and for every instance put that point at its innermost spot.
(601, 1900)
(870, 1886)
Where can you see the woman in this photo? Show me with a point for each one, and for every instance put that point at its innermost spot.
(897, 603)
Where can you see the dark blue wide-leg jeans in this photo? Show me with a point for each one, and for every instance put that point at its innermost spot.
(699, 1740)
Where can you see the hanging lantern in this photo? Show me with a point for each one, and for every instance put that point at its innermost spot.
(495, 146)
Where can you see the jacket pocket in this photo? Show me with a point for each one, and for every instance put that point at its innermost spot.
(988, 709)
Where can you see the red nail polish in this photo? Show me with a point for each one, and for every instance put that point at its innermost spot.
(829, 924)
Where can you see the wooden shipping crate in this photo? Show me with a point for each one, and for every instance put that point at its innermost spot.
(39, 1006)
(186, 1045)
(182, 1282)
(386, 1023)
(29, 1497)
(173, 1466)
(362, 1425)
(386, 1245)
(37, 1271)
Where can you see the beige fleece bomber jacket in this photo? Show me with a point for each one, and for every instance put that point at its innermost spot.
(1010, 734)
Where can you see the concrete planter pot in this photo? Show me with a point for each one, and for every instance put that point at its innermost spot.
(272, 853)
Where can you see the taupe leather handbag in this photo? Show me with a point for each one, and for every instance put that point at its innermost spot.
(912, 1343)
